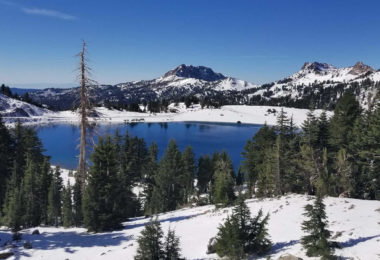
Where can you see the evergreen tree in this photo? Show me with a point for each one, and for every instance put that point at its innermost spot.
(77, 203)
(13, 205)
(204, 174)
(30, 190)
(241, 234)
(266, 185)
(55, 199)
(316, 241)
(253, 154)
(150, 171)
(346, 113)
(188, 175)
(168, 188)
(172, 246)
(150, 242)
(67, 206)
(223, 187)
(44, 181)
(228, 241)
(240, 177)
(6, 156)
(103, 198)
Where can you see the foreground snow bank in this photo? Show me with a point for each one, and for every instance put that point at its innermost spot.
(354, 223)
(179, 113)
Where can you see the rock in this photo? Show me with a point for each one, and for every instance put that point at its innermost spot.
(36, 232)
(211, 246)
(289, 257)
(6, 255)
(28, 245)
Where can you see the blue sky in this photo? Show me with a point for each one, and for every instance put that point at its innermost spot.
(255, 40)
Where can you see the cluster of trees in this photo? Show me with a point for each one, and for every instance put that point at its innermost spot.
(28, 191)
(333, 156)
(153, 245)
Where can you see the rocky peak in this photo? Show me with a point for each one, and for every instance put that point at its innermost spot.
(360, 68)
(196, 72)
(317, 67)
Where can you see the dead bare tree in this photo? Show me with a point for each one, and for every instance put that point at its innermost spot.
(84, 112)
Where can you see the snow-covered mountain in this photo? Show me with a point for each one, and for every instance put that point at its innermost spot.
(317, 84)
(321, 84)
(178, 83)
(10, 107)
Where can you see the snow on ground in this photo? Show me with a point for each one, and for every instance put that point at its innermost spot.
(358, 222)
(226, 114)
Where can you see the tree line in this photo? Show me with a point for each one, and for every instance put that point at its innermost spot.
(337, 156)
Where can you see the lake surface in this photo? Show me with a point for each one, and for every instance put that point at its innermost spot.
(61, 141)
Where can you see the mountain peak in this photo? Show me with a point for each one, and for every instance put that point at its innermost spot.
(196, 72)
(317, 67)
(360, 68)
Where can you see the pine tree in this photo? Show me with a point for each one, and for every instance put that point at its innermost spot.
(168, 188)
(253, 154)
(6, 154)
(103, 198)
(150, 171)
(241, 234)
(223, 187)
(67, 207)
(240, 177)
(13, 206)
(346, 112)
(204, 174)
(44, 180)
(172, 246)
(77, 203)
(266, 185)
(32, 215)
(54, 198)
(189, 168)
(316, 241)
(150, 242)
(228, 241)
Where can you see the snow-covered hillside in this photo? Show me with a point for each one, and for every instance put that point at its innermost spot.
(322, 84)
(355, 225)
(10, 107)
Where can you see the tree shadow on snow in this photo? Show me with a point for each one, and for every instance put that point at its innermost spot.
(277, 247)
(171, 219)
(67, 240)
(355, 241)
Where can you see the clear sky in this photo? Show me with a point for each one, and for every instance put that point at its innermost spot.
(255, 40)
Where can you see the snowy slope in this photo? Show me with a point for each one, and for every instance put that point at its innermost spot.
(323, 84)
(357, 222)
(10, 107)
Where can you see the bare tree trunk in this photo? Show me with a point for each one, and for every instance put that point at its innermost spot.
(83, 110)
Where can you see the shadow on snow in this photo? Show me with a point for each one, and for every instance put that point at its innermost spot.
(170, 219)
(355, 241)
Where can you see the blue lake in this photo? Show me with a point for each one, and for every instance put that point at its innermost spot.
(61, 141)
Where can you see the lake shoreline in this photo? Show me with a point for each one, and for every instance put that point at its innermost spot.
(231, 114)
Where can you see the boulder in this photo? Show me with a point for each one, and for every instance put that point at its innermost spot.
(211, 246)
(289, 257)
(28, 245)
(36, 232)
(6, 255)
